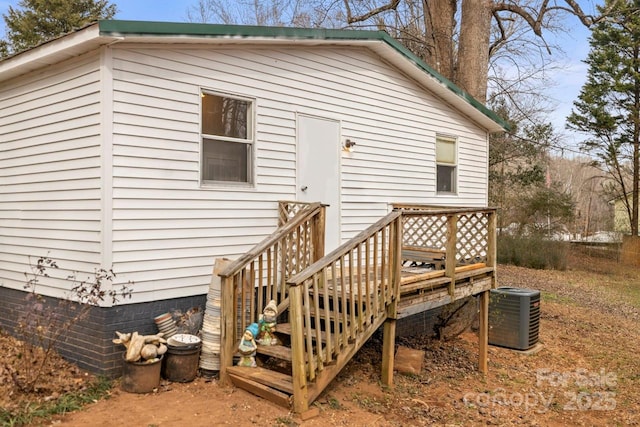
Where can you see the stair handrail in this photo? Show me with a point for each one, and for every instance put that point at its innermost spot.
(332, 256)
(305, 213)
(347, 281)
(243, 293)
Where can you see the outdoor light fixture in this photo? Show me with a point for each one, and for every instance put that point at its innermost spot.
(348, 145)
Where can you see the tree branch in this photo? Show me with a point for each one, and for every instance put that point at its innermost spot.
(534, 24)
(503, 34)
(392, 5)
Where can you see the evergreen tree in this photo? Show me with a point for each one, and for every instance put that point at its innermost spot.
(518, 176)
(608, 107)
(36, 21)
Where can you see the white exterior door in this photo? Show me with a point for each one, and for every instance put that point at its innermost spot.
(319, 170)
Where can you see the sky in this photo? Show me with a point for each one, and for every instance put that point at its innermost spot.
(566, 82)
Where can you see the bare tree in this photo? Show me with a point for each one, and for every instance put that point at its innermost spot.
(277, 13)
(461, 50)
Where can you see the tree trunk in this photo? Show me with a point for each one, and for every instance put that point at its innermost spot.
(439, 16)
(636, 148)
(473, 49)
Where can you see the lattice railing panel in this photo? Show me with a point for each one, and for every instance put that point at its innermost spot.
(428, 227)
(297, 249)
(472, 238)
(288, 209)
(429, 231)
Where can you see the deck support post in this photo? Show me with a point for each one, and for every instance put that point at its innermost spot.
(389, 329)
(388, 351)
(483, 332)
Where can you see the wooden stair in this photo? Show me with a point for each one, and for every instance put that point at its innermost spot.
(278, 351)
(269, 384)
(336, 302)
(264, 380)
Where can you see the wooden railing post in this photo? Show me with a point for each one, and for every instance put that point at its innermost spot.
(298, 363)
(389, 330)
(492, 244)
(319, 234)
(450, 261)
(227, 328)
(396, 264)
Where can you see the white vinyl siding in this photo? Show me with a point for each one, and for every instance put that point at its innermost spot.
(161, 226)
(168, 230)
(50, 175)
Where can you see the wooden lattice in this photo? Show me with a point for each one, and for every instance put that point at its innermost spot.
(297, 249)
(428, 231)
(427, 227)
(472, 238)
(288, 209)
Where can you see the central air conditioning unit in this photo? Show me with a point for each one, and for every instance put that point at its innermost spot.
(514, 318)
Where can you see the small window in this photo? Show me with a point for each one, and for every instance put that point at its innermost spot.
(446, 161)
(227, 139)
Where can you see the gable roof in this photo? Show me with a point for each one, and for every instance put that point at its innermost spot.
(115, 31)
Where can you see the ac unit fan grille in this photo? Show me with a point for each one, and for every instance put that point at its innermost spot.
(534, 320)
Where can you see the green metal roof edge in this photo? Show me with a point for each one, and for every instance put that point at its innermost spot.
(117, 27)
(148, 28)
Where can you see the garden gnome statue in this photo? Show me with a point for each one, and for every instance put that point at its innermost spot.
(248, 346)
(267, 323)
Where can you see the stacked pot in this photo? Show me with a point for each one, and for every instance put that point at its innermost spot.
(210, 354)
(166, 325)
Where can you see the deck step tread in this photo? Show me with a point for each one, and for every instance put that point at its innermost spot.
(285, 329)
(260, 389)
(278, 351)
(267, 377)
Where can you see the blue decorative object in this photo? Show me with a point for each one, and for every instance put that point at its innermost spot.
(248, 346)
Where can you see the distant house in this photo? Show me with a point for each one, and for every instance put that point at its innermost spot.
(157, 147)
(621, 223)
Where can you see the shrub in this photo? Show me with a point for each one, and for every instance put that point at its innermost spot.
(41, 324)
(533, 252)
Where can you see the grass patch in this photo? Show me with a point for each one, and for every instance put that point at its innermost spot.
(533, 252)
(285, 422)
(66, 403)
(553, 297)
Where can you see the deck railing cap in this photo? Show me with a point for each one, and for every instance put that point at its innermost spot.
(294, 222)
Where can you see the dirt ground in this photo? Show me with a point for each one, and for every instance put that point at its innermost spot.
(586, 372)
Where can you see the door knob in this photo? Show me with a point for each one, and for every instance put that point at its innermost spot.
(304, 188)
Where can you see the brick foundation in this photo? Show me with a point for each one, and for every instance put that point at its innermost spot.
(88, 344)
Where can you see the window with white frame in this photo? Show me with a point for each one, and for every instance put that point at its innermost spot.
(446, 164)
(227, 139)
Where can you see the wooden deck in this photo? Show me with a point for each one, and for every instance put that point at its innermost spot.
(421, 287)
(425, 290)
(412, 260)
